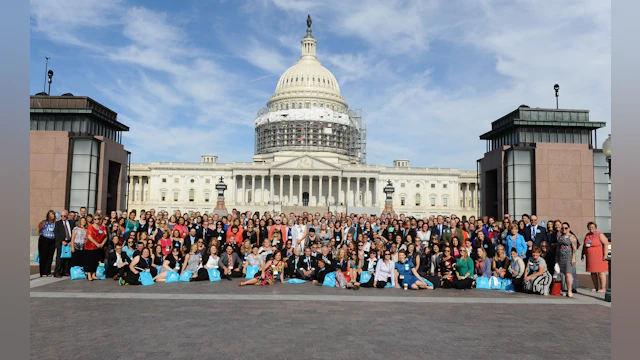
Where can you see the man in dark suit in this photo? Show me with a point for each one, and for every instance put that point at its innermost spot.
(534, 232)
(439, 228)
(307, 266)
(62, 232)
(293, 262)
(118, 263)
(206, 234)
(190, 239)
(230, 264)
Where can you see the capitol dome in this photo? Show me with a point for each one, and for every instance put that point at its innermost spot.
(307, 84)
(307, 112)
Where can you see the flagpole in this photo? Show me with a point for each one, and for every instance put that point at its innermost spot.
(46, 67)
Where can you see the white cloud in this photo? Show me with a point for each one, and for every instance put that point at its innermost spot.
(405, 63)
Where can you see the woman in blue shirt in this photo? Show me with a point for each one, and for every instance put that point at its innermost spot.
(46, 243)
(515, 240)
(407, 274)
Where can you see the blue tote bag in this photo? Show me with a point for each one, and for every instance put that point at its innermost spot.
(65, 252)
(214, 275)
(296, 281)
(483, 283)
(365, 277)
(100, 272)
(186, 276)
(172, 277)
(252, 271)
(37, 258)
(145, 278)
(77, 273)
(330, 280)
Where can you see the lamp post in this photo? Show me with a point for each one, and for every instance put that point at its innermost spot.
(556, 87)
(50, 74)
(606, 149)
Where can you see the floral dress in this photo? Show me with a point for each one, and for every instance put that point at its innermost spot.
(274, 269)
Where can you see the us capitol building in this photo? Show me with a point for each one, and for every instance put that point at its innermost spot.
(310, 155)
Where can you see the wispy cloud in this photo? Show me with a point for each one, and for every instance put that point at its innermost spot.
(430, 75)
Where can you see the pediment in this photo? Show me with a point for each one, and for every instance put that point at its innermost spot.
(306, 162)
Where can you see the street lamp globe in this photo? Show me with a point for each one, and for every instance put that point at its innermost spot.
(606, 147)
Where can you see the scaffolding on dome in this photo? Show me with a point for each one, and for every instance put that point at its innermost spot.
(278, 133)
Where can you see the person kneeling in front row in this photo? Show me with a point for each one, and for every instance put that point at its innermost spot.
(139, 263)
(118, 262)
(406, 273)
(172, 262)
(321, 272)
(384, 272)
(230, 264)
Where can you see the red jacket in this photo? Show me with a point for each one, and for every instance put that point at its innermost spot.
(238, 236)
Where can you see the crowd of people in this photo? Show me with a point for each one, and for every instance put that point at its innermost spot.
(389, 250)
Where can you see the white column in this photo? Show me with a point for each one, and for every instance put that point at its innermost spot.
(253, 189)
(262, 188)
(244, 192)
(271, 189)
(348, 195)
(320, 189)
(280, 197)
(366, 193)
(330, 189)
(299, 189)
(290, 190)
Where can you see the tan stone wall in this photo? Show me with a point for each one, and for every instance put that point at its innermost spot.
(564, 184)
(49, 154)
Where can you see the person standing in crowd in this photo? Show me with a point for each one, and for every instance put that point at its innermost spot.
(78, 239)
(534, 232)
(516, 271)
(486, 244)
(596, 249)
(183, 231)
(62, 232)
(515, 240)
(47, 243)
(566, 257)
(131, 225)
(464, 272)
(96, 238)
(537, 278)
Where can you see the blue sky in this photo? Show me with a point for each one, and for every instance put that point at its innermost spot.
(188, 77)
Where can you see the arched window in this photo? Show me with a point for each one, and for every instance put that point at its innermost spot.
(207, 195)
(192, 195)
(176, 195)
(418, 199)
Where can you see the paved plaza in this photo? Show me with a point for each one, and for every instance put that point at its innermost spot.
(101, 320)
